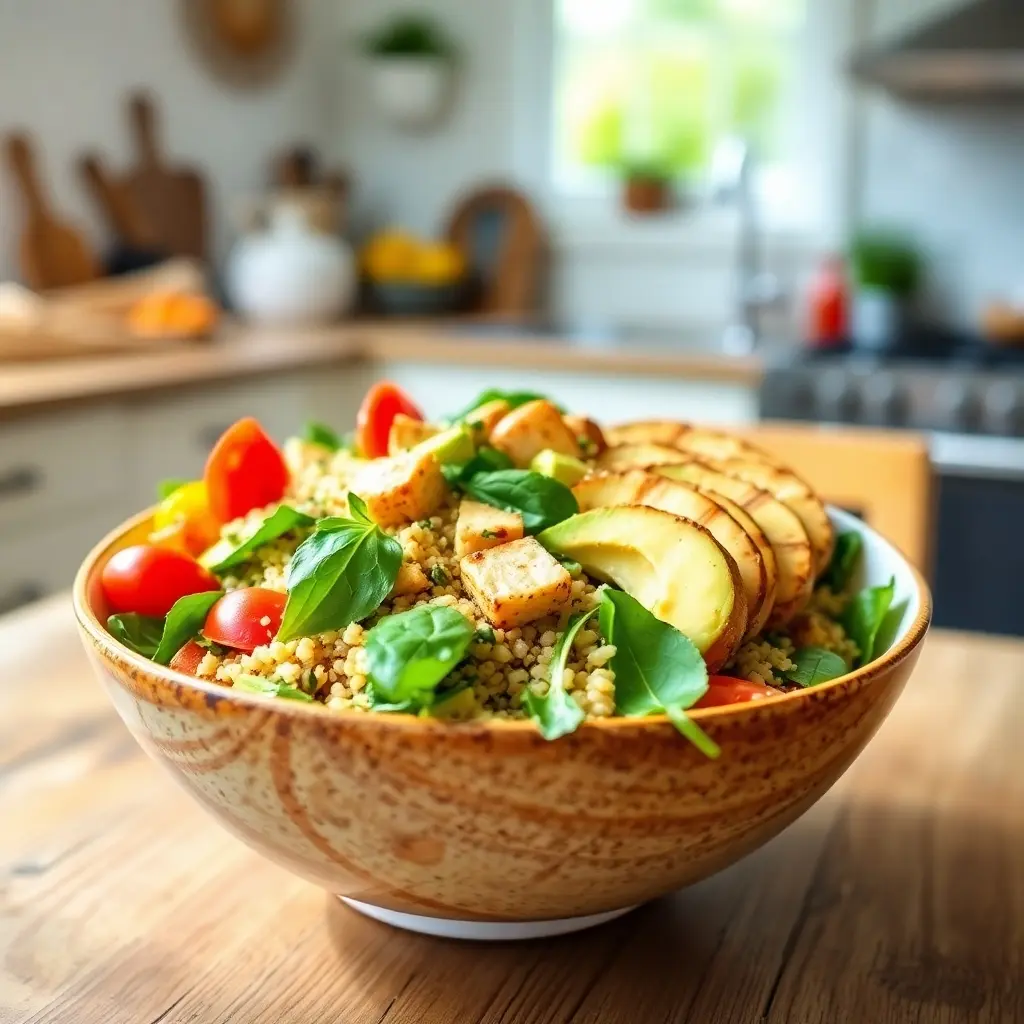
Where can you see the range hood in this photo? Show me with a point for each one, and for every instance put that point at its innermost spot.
(973, 53)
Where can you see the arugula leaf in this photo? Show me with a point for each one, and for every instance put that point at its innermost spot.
(844, 562)
(339, 574)
(408, 655)
(321, 434)
(540, 500)
(864, 616)
(167, 487)
(270, 688)
(657, 668)
(183, 622)
(140, 633)
(283, 520)
(556, 713)
(514, 399)
(815, 665)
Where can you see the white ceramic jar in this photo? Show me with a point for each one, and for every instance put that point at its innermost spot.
(411, 92)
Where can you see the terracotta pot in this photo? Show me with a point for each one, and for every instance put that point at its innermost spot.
(646, 195)
(483, 829)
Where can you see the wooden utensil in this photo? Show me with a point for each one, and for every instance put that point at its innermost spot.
(172, 199)
(53, 253)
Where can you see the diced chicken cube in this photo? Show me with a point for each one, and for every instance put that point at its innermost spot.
(530, 429)
(516, 583)
(411, 580)
(480, 527)
(401, 488)
(407, 432)
(589, 436)
(486, 417)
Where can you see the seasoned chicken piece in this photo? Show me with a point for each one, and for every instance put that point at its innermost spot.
(486, 417)
(411, 580)
(589, 436)
(406, 433)
(481, 526)
(516, 583)
(530, 429)
(401, 488)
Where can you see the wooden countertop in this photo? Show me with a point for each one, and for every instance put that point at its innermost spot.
(898, 898)
(239, 351)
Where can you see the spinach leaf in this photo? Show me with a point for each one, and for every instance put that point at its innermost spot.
(815, 665)
(140, 633)
(556, 713)
(339, 574)
(657, 668)
(540, 500)
(864, 616)
(843, 565)
(486, 460)
(514, 399)
(270, 688)
(226, 555)
(409, 654)
(167, 487)
(321, 434)
(184, 621)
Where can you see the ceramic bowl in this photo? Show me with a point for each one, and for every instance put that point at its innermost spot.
(484, 830)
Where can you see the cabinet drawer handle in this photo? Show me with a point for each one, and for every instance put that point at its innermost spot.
(209, 436)
(19, 481)
(21, 594)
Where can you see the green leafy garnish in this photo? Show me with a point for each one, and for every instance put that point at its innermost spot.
(438, 576)
(321, 434)
(183, 622)
(408, 655)
(540, 500)
(484, 635)
(572, 567)
(339, 574)
(658, 670)
(864, 616)
(845, 559)
(514, 399)
(815, 665)
(486, 460)
(226, 554)
(488, 534)
(270, 688)
(167, 487)
(140, 633)
(556, 713)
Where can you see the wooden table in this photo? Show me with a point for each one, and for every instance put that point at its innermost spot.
(900, 897)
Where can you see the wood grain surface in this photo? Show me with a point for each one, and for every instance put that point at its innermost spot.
(898, 898)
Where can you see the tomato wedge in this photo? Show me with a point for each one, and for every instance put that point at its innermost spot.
(245, 470)
(725, 690)
(148, 579)
(245, 619)
(188, 659)
(383, 402)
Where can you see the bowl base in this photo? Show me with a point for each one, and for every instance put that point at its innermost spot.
(482, 931)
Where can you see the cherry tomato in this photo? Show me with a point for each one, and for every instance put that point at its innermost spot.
(187, 660)
(148, 579)
(383, 402)
(183, 520)
(725, 690)
(245, 619)
(245, 470)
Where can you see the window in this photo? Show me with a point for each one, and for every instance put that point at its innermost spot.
(662, 86)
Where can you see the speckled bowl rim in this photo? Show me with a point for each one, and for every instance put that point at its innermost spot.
(97, 632)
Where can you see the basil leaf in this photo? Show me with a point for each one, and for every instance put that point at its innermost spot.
(514, 399)
(321, 434)
(184, 621)
(815, 665)
(282, 521)
(657, 668)
(556, 713)
(358, 511)
(864, 616)
(270, 688)
(409, 655)
(486, 460)
(540, 500)
(167, 487)
(339, 574)
(140, 633)
(845, 560)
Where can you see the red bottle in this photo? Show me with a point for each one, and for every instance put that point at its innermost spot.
(829, 305)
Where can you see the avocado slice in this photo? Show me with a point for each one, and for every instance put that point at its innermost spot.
(564, 468)
(672, 566)
(451, 446)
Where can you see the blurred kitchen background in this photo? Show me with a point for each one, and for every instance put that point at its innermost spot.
(718, 210)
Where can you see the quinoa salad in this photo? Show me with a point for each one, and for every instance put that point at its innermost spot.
(511, 561)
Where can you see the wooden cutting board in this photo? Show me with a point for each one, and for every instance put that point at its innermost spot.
(171, 199)
(53, 254)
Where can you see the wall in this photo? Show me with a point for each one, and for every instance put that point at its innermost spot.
(66, 66)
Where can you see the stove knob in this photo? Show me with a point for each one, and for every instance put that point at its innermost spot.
(885, 404)
(1004, 409)
(838, 400)
(956, 408)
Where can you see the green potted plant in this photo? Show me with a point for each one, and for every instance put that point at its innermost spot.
(412, 59)
(646, 186)
(887, 272)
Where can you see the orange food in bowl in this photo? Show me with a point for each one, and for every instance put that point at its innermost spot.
(173, 314)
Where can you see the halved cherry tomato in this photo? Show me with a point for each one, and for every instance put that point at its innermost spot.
(245, 619)
(188, 659)
(725, 690)
(383, 402)
(245, 470)
(148, 579)
(183, 520)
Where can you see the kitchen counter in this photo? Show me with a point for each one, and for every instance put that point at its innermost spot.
(898, 897)
(239, 351)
